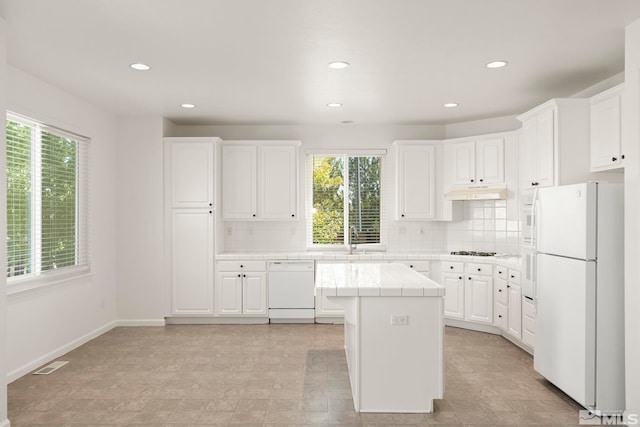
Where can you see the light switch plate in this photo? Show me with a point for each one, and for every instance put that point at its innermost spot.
(399, 319)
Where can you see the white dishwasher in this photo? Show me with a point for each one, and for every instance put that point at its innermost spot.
(291, 291)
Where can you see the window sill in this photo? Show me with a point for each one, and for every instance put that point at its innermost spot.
(40, 283)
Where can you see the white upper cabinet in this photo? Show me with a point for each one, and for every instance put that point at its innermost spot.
(278, 183)
(555, 144)
(260, 180)
(416, 181)
(420, 181)
(606, 130)
(476, 162)
(191, 174)
(239, 181)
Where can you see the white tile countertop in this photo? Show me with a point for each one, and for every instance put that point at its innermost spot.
(373, 279)
(507, 260)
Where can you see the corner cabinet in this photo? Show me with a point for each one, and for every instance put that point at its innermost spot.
(554, 144)
(260, 180)
(189, 223)
(606, 130)
(420, 181)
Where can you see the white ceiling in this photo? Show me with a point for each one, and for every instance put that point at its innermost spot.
(265, 61)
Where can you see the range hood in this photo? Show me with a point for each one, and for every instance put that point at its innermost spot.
(484, 192)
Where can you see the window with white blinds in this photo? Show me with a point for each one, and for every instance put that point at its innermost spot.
(344, 198)
(46, 199)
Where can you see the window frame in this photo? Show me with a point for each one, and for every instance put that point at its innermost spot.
(346, 154)
(82, 267)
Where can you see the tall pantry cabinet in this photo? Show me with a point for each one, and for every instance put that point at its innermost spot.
(189, 193)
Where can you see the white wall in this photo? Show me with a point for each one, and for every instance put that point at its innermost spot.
(140, 221)
(631, 149)
(3, 228)
(48, 322)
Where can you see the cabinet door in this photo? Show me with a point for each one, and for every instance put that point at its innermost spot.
(490, 161)
(528, 322)
(416, 182)
(527, 152)
(229, 294)
(254, 294)
(605, 133)
(515, 311)
(463, 155)
(192, 261)
(479, 299)
(454, 295)
(191, 174)
(239, 182)
(278, 182)
(502, 291)
(327, 308)
(544, 149)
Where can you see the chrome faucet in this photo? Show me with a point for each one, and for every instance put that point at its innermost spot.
(353, 236)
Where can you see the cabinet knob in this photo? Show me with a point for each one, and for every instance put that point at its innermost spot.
(508, 286)
(500, 316)
(241, 266)
(535, 183)
(479, 269)
(244, 275)
(481, 180)
(254, 215)
(499, 272)
(451, 267)
(239, 275)
(460, 277)
(499, 290)
(402, 215)
(613, 159)
(469, 278)
(512, 276)
(210, 204)
(472, 180)
(410, 265)
(622, 157)
(293, 215)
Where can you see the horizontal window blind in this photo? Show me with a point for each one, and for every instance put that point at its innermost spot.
(344, 196)
(46, 198)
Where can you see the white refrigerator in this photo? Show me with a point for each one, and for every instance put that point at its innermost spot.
(579, 290)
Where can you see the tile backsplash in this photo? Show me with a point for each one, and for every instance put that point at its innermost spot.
(481, 226)
(486, 225)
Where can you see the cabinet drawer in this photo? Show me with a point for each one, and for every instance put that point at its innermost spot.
(528, 308)
(242, 265)
(500, 316)
(481, 269)
(416, 265)
(452, 267)
(501, 272)
(514, 276)
(501, 296)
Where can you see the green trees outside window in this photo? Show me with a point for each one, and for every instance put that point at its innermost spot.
(43, 196)
(351, 181)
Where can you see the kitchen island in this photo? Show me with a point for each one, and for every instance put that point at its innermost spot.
(393, 334)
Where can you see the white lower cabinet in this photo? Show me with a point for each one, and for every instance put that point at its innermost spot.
(528, 322)
(479, 299)
(454, 294)
(241, 289)
(515, 311)
(325, 308)
(501, 299)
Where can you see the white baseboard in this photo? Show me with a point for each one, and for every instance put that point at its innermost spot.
(36, 363)
(141, 322)
(479, 327)
(5, 423)
(217, 320)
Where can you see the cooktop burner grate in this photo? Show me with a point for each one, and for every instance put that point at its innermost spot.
(473, 253)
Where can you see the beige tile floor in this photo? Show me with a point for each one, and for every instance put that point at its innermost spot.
(269, 375)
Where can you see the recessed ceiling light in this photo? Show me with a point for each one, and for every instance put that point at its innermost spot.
(450, 105)
(338, 65)
(188, 105)
(496, 64)
(140, 67)
(334, 104)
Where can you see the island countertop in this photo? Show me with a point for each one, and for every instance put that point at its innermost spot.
(373, 279)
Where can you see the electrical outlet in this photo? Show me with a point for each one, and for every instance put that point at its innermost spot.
(399, 319)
